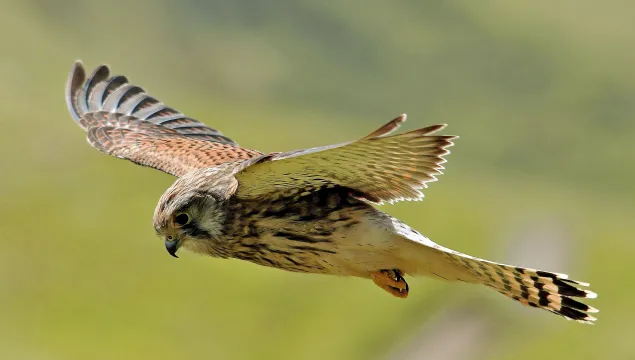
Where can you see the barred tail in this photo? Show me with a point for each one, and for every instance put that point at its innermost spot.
(541, 289)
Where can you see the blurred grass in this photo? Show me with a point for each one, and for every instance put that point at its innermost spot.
(541, 94)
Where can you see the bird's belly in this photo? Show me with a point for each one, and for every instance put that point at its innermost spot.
(351, 243)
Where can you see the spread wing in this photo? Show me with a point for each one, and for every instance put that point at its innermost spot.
(122, 120)
(380, 167)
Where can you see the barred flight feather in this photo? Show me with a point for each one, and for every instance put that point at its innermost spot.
(122, 120)
(383, 168)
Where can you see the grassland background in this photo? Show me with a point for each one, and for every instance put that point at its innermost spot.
(542, 94)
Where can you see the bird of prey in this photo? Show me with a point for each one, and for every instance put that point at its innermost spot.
(309, 210)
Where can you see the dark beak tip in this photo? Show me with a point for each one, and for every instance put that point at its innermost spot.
(172, 247)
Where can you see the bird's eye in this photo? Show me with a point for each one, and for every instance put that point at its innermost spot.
(182, 219)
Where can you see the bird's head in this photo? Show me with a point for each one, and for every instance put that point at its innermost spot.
(191, 213)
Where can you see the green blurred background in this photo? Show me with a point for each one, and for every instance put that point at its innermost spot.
(542, 94)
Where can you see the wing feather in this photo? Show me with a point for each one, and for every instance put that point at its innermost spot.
(381, 167)
(121, 119)
(146, 144)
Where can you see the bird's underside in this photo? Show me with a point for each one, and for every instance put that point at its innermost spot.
(309, 210)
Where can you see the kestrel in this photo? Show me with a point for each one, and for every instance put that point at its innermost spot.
(308, 210)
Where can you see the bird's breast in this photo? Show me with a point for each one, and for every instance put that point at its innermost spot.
(300, 233)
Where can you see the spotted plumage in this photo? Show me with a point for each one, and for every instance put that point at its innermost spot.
(306, 211)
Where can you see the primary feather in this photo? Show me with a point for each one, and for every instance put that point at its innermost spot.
(122, 120)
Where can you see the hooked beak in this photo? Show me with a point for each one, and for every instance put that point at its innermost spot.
(172, 246)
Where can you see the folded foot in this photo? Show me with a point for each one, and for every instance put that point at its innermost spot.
(391, 281)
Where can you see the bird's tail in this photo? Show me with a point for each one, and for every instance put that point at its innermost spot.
(541, 289)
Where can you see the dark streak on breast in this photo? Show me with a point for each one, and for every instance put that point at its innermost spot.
(290, 259)
(301, 223)
(312, 249)
(300, 238)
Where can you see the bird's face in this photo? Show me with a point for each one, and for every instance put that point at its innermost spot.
(178, 229)
(191, 217)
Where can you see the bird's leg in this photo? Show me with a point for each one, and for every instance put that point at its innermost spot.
(391, 281)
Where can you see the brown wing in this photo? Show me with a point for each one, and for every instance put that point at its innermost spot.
(122, 120)
(380, 167)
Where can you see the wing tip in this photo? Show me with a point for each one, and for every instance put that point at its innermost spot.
(387, 128)
(77, 67)
(428, 130)
(79, 87)
(76, 77)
